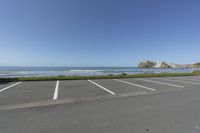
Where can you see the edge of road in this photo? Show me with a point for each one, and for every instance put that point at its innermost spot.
(123, 75)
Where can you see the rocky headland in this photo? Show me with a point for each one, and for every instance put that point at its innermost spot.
(153, 64)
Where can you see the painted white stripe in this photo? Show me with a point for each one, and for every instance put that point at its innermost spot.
(144, 87)
(113, 93)
(55, 96)
(10, 86)
(178, 81)
(162, 83)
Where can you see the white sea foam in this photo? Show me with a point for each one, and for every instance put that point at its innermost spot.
(86, 70)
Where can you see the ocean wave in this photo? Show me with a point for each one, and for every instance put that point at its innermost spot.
(86, 70)
(29, 72)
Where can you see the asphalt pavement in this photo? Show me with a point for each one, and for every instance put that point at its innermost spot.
(146, 105)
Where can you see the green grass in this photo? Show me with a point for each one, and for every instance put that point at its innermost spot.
(124, 75)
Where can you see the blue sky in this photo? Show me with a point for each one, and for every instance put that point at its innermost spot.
(98, 32)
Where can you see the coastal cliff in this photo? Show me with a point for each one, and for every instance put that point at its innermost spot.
(153, 64)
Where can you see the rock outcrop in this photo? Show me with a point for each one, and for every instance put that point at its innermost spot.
(153, 64)
(147, 64)
(165, 65)
(196, 65)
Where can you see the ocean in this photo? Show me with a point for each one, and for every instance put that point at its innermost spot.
(11, 72)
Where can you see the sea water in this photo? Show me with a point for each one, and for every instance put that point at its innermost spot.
(9, 72)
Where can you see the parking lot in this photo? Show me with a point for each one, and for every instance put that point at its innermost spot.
(13, 93)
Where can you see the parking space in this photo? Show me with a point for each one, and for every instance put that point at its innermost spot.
(28, 92)
(186, 84)
(157, 85)
(5, 84)
(119, 87)
(192, 79)
(78, 89)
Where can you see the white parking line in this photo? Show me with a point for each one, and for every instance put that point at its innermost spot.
(10, 86)
(178, 81)
(55, 96)
(161, 83)
(113, 93)
(144, 87)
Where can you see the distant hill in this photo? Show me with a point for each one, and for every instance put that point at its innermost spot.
(153, 64)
